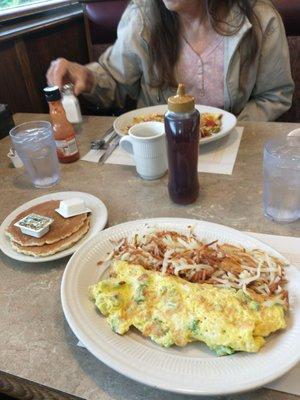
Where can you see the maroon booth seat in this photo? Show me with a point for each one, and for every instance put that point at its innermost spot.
(102, 17)
(101, 21)
(290, 13)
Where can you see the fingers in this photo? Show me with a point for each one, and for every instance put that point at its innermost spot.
(49, 74)
(62, 71)
(57, 73)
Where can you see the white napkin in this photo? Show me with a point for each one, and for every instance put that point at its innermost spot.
(289, 247)
(93, 155)
(217, 157)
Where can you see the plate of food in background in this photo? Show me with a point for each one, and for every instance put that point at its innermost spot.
(214, 122)
(203, 308)
(65, 233)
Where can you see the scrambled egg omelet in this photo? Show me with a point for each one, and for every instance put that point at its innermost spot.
(171, 310)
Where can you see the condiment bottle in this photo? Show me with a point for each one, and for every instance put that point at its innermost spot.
(182, 134)
(71, 106)
(64, 134)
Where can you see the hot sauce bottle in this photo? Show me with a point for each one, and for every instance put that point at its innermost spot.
(64, 134)
(182, 134)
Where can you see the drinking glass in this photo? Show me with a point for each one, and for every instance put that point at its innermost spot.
(282, 179)
(35, 145)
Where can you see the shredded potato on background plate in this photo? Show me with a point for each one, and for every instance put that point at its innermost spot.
(210, 123)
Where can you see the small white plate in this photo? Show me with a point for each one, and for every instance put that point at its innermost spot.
(98, 221)
(295, 132)
(228, 120)
(192, 369)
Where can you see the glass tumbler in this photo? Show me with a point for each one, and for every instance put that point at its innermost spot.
(282, 179)
(35, 145)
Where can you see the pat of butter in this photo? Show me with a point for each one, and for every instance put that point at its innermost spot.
(71, 207)
(34, 225)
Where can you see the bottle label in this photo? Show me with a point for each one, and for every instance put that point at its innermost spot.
(66, 147)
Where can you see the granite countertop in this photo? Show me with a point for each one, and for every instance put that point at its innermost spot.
(36, 343)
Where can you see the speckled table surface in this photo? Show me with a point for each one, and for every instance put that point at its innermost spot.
(36, 343)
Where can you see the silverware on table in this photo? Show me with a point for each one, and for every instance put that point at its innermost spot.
(105, 140)
(111, 147)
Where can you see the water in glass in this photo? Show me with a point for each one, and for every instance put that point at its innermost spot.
(282, 180)
(35, 145)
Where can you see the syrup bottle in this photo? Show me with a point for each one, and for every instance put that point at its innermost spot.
(64, 134)
(182, 134)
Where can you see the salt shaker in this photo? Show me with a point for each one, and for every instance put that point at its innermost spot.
(71, 105)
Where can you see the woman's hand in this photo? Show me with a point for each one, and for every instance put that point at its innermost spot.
(62, 71)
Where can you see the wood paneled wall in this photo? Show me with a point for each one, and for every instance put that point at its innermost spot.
(24, 61)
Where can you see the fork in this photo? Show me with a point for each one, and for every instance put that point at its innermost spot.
(105, 140)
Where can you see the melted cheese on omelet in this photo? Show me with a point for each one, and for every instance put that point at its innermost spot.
(171, 310)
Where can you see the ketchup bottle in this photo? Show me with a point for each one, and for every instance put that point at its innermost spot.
(182, 134)
(64, 134)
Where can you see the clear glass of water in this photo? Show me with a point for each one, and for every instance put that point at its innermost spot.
(282, 179)
(35, 145)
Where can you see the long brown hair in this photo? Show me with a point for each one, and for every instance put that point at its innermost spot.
(165, 37)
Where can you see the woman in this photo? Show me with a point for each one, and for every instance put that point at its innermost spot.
(231, 53)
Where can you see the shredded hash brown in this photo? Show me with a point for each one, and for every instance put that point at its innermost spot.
(210, 123)
(255, 272)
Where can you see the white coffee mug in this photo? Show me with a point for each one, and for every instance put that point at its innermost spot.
(147, 143)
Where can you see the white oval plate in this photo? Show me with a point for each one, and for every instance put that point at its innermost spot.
(228, 120)
(192, 369)
(98, 222)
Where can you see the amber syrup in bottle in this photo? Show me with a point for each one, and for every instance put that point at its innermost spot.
(182, 134)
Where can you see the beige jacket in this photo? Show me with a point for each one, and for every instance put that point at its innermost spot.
(123, 69)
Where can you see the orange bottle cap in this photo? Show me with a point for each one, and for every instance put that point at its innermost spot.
(181, 102)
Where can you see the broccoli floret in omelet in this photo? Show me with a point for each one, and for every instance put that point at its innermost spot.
(171, 311)
(223, 350)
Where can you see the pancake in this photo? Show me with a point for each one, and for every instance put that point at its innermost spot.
(61, 228)
(50, 249)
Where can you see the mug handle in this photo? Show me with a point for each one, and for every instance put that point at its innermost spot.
(126, 144)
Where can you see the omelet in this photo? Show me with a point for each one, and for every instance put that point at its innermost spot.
(173, 311)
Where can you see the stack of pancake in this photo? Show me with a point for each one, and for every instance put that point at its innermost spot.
(63, 232)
